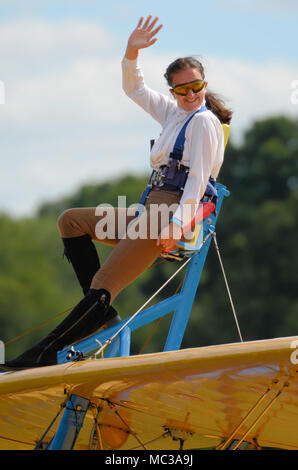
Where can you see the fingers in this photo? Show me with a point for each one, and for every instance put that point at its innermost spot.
(167, 247)
(151, 42)
(151, 26)
(166, 244)
(140, 22)
(143, 35)
(147, 22)
(148, 25)
(153, 33)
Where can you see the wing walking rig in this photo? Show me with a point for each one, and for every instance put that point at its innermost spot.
(242, 395)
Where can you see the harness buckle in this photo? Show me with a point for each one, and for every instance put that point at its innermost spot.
(157, 177)
(173, 165)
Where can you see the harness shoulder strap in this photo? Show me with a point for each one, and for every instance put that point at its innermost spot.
(178, 148)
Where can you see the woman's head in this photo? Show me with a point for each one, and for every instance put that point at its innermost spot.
(181, 64)
(184, 71)
(188, 69)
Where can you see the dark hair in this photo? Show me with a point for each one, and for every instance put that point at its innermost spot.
(181, 64)
(213, 102)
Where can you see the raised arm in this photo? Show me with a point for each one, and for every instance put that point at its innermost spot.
(156, 104)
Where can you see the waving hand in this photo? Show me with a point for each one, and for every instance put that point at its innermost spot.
(143, 36)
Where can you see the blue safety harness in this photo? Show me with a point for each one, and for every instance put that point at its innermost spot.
(174, 175)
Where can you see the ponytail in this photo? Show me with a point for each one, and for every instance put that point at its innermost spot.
(216, 105)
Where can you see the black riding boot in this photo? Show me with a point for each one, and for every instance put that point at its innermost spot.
(82, 254)
(86, 318)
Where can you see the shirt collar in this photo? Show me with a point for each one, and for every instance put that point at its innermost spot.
(182, 112)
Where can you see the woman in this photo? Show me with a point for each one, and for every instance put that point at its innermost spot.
(202, 157)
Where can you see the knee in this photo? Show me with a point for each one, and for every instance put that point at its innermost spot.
(65, 221)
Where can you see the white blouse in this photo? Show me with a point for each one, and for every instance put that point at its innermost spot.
(204, 139)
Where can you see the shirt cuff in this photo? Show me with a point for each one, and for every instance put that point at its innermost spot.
(185, 213)
(176, 221)
(129, 62)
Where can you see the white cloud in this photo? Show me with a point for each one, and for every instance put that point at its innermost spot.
(39, 37)
(66, 119)
(76, 91)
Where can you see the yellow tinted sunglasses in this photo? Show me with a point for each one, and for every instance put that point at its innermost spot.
(195, 86)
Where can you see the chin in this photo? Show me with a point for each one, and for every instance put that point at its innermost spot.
(191, 106)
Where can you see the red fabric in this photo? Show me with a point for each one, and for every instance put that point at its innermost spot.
(201, 214)
(208, 209)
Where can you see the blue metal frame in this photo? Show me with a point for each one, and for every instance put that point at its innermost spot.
(70, 424)
(180, 304)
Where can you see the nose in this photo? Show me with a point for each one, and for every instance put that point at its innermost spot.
(190, 93)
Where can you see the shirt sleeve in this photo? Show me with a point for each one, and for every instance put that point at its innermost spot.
(205, 148)
(153, 102)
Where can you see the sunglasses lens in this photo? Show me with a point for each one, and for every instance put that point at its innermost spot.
(181, 90)
(195, 87)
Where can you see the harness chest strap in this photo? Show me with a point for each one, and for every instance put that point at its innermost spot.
(177, 152)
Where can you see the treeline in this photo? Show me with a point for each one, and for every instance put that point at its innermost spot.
(256, 232)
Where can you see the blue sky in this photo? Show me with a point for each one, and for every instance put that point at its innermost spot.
(258, 30)
(65, 120)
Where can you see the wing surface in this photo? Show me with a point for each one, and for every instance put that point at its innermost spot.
(202, 397)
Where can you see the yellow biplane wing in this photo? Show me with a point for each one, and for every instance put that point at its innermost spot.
(211, 397)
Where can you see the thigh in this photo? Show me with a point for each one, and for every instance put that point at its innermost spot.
(104, 224)
(134, 254)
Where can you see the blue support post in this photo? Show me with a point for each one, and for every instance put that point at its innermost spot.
(125, 342)
(192, 279)
(70, 424)
(188, 292)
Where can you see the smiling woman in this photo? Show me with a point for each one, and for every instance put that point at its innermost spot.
(185, 166)
(189, 88)
(203, 151)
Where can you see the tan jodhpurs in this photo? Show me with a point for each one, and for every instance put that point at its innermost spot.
(135, 247)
